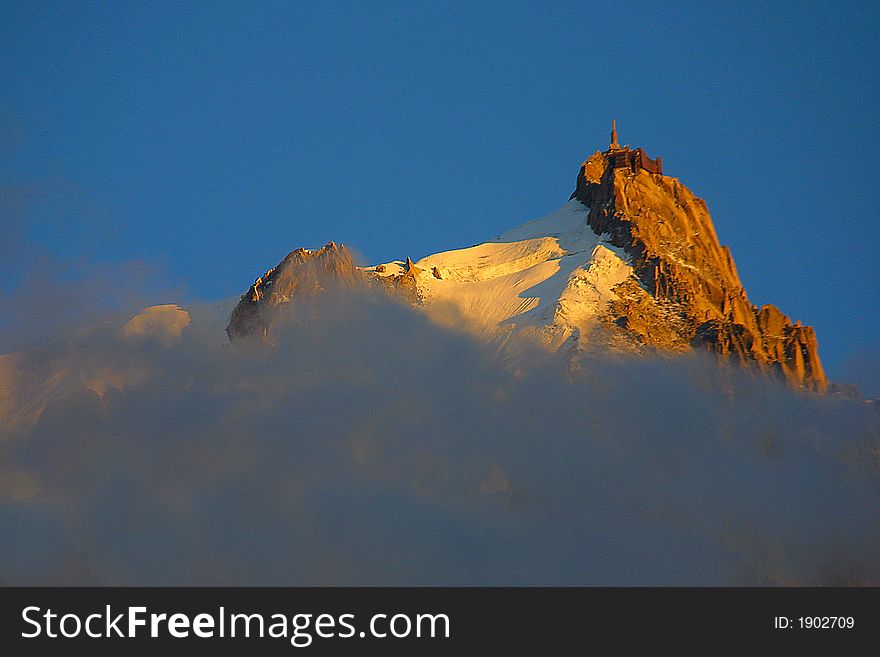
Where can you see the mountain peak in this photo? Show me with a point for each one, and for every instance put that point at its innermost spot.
(668, 234)
(632, 263)
(302, 272)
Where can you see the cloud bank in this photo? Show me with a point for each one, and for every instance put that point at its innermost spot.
(366, 445)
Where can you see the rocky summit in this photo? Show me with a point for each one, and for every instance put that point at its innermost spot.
(631, 263)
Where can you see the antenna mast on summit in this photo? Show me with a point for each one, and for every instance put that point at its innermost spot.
(614, 145)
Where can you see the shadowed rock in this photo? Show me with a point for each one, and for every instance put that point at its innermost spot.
(302, 273)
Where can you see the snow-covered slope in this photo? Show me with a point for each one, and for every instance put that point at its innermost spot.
(552, 278)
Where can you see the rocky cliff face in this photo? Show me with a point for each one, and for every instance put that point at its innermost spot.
(680, 266)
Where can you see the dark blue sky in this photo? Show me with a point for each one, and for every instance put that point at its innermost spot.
(209, 140)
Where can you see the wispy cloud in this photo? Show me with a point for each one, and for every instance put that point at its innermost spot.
(366, 445)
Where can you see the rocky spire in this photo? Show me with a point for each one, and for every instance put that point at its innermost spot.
(684, 271)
